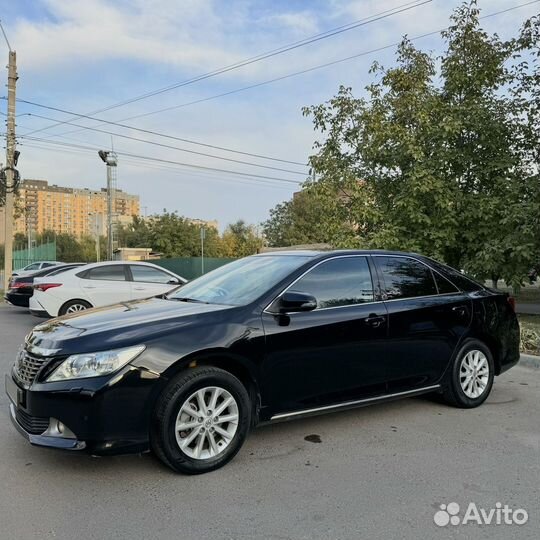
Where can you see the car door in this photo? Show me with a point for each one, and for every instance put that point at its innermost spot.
(427, 316)
(149, 281)
(334, 353)
(106, 284)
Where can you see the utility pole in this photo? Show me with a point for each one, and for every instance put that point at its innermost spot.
(96, 230)
(203, 234)
(11, 158)
(111, 160)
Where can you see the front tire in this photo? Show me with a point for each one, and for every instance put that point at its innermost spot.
(471, 376)
(201, 421)
(74, 306)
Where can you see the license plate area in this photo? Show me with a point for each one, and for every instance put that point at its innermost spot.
(16, 395)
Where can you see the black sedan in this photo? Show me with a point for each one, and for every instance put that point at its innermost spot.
(266, 338)
(21, 288)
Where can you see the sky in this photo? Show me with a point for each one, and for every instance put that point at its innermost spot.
(85, 56)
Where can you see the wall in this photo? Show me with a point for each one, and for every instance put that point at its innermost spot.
(190, 267)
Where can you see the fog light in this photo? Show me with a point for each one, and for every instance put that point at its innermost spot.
(58, 429)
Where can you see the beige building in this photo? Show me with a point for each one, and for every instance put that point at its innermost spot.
(69, 210)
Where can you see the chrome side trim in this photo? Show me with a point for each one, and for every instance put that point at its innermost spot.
(353, 403)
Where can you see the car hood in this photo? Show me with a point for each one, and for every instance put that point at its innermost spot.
(117, 325)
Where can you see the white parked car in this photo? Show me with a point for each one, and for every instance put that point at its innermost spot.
(34, 267)
(100, 284)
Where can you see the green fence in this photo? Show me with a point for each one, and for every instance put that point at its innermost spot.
(191, 267)
(42, 252)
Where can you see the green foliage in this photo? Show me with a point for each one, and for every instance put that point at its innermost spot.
(240, 239)
(176, 236)
(441, 158)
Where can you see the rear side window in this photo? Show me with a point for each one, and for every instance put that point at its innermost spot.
(113, 272)
(406, 278)
(444, 286)
(459, 279)
(338, 282)
(149, 274)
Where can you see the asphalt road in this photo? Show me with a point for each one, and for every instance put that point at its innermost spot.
(378, 472)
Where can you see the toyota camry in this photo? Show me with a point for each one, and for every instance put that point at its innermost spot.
(266, 338)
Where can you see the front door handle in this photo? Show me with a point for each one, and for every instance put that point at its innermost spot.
(460, 310)
(139, 288)
(375, 320)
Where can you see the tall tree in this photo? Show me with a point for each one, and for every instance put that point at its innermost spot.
(435, 159)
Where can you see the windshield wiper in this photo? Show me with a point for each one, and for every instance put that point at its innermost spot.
(186, 299)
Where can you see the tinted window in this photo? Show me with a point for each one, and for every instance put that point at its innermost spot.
(443, 284)
(406, 278)
(34, 266)
(46, 265)
(458, 279)
(111, 273)
(149, 274)
(338, 282)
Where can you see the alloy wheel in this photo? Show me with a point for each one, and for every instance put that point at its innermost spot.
(76, 307)
(206, 423)
(474, 374)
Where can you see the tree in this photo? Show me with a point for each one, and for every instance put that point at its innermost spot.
(439, 158)
(240, 239)
(298, 221)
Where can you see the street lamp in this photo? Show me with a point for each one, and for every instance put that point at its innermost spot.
(111, 160)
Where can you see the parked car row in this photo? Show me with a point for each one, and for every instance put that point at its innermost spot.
(59, 289)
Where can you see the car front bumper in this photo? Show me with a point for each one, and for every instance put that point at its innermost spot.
(101, 415)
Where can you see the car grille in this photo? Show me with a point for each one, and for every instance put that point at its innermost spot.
(27, 367)
(31, 424)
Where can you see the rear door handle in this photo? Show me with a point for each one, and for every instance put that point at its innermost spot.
(375, 320)
(89, 286)
(460, 310)
(139, 288)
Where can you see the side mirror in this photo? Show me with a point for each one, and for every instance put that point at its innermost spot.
(174, 281)
(293, 302)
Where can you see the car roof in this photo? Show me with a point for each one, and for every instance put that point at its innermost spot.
(333, 253)
(103, 263)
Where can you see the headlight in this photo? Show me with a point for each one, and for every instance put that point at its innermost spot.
(80, 366)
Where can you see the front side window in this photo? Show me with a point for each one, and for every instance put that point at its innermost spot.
(149, 275)
(406, 278)
(109, 273)
(343, 281)
(34, 266)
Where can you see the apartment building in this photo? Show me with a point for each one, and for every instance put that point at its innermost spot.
(69, 210)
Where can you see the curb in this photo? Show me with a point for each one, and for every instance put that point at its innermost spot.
(529, 360)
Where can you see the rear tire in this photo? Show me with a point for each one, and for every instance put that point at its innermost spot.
(74, 306)
(471, 376)
(201, 420)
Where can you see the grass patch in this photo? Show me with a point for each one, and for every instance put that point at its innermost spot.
(530, 333)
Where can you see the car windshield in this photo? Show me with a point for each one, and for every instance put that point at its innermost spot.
(240, 282)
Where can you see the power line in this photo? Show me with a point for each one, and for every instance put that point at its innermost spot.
(250, 87)
(263, 56)
(161, 160)
(168, 145)
(159, 134)
(128, 161)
